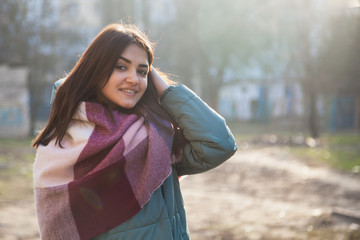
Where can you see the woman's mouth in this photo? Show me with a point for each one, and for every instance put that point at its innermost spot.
(128, 91)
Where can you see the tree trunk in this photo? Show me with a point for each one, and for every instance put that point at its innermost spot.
(357, 113)
(313, 116)
(212, 88)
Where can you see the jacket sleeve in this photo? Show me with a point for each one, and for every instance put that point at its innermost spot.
(210, 140)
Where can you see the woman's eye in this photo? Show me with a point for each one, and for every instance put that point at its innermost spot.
(144, 73)
(120, 67)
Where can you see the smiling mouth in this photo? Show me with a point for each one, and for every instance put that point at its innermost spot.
(128, 91)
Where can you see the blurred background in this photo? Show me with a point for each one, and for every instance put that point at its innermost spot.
(285, 74)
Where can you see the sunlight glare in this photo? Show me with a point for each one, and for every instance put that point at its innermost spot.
(353, 3)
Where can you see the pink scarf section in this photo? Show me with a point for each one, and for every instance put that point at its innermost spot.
(104, 174)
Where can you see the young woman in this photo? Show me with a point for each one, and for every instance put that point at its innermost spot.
(117, 140)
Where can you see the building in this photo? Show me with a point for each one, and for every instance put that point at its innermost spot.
(14, 102)
(255, 101)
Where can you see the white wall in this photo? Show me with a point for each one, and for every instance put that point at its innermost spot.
(14, 102)
(236, 100)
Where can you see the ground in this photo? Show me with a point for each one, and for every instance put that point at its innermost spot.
(266, 193)
(260, 193)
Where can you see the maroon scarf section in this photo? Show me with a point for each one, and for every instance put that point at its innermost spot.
(110, 187)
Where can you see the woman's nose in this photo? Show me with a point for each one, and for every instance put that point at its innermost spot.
(132, 77)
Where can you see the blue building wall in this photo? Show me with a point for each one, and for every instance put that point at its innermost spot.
(342, 113)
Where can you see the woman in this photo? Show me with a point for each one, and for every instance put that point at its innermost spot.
(117, 140)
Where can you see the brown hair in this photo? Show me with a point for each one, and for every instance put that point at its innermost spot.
(91, 73)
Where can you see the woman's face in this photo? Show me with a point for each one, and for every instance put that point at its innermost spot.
(128, 81)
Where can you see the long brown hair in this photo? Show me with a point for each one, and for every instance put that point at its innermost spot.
(91, 73)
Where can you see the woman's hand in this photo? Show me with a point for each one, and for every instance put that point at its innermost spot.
(160, 84)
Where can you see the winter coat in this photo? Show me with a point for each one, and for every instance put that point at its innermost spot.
(210, 143)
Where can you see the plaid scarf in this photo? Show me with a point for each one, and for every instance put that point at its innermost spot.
(103, 175)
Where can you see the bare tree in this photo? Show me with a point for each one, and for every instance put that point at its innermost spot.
(339, 57)
(29, 36)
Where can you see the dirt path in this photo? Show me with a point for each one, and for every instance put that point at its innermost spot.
(258, 194)
(18, 222)
(267, 194)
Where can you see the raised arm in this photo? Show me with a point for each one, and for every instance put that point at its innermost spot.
(210, 140)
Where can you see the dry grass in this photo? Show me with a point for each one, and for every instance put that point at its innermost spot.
(16, 160)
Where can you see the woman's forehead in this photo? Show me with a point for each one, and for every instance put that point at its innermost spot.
(135, 54)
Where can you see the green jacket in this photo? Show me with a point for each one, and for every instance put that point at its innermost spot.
(210, 144)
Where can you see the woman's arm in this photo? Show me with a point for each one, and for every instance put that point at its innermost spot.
(210, 140)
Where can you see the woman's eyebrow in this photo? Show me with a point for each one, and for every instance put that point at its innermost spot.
(128, 61)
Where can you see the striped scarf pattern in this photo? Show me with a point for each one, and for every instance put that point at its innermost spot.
(103, 175)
